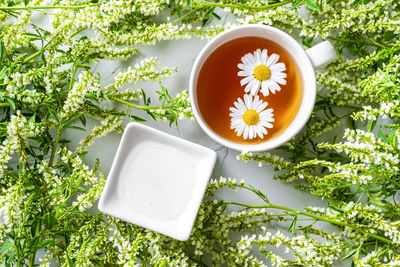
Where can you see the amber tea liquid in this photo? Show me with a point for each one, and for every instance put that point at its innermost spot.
(218, 87)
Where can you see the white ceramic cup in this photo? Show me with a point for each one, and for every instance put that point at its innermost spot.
(306, 61)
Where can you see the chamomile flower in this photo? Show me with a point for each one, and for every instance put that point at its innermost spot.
(262, 71)
(249, 117)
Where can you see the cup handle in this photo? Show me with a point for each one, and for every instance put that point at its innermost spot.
(321, 54)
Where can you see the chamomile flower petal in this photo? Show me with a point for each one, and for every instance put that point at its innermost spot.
(261, 71)
(246, 80)
(249, 118)
(272, 60)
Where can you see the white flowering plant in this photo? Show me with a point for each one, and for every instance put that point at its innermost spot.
(47, 85)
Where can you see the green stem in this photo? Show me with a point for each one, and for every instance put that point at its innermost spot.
(3, 105)
(131, 105)
(242, 6)
(184, 16)
(351, 41)
(46, 7)
(73, 72)
(318, 218)
(77, 31)
(36, 53)
(53, 151)
(33, 255)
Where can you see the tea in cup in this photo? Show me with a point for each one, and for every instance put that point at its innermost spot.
(253, 87)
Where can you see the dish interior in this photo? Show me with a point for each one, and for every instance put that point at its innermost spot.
(156, 180)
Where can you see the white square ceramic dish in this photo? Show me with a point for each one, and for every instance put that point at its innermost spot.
(157, 181)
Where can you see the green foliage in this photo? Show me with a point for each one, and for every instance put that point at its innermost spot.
(47, 86)
(359, 173)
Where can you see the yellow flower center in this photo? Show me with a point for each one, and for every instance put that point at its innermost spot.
(262, 73)
(251, 117)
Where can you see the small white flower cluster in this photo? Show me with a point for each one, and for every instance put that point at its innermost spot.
(309, 252)
(370, 17)
(330, 213)
(18, 132)
(266, 158)
(85, 201)
(182, 102)
(148, 34)
(318, 128)
(17, 87)
(54, 183)
(215, 185)
(86, 83)
(345, 86)
(13, 34)
(11, 200)
(364, 147)
(383, 84)
(129, 95)
(280, 17)
(386, 110)
(46, 260)
(143, 71)
(376, 221)
(178, 107)
(90, 48)
(87, 244)
(161, 254)
(113, 11)
(109, 124)
(62, 22)
(81, 177)
(211, 233)
(248, 219)
(128, 250)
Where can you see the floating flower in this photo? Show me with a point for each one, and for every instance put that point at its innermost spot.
(249, 117)
(262, 71)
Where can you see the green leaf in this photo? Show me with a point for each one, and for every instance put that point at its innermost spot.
(6, 246)
(3, 73)
(136, 118)
(105, 96)
(3, 51)
(54, 115)
(307, 41)
(32, 119)
(382, 136)
(190, 4)
(297, 3)
(20, 167)
(12, 103)
(356, 3)
(69, 261)
(46, 243)
(311, 5)
(11, 234)
(11, 256)
(371, 125)
(259, 194)
(72, 118)
(76, 128)
(334, 207)
(49, 220)
(292, 226)
(93, 97)
(351, 253)
(83, 120)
